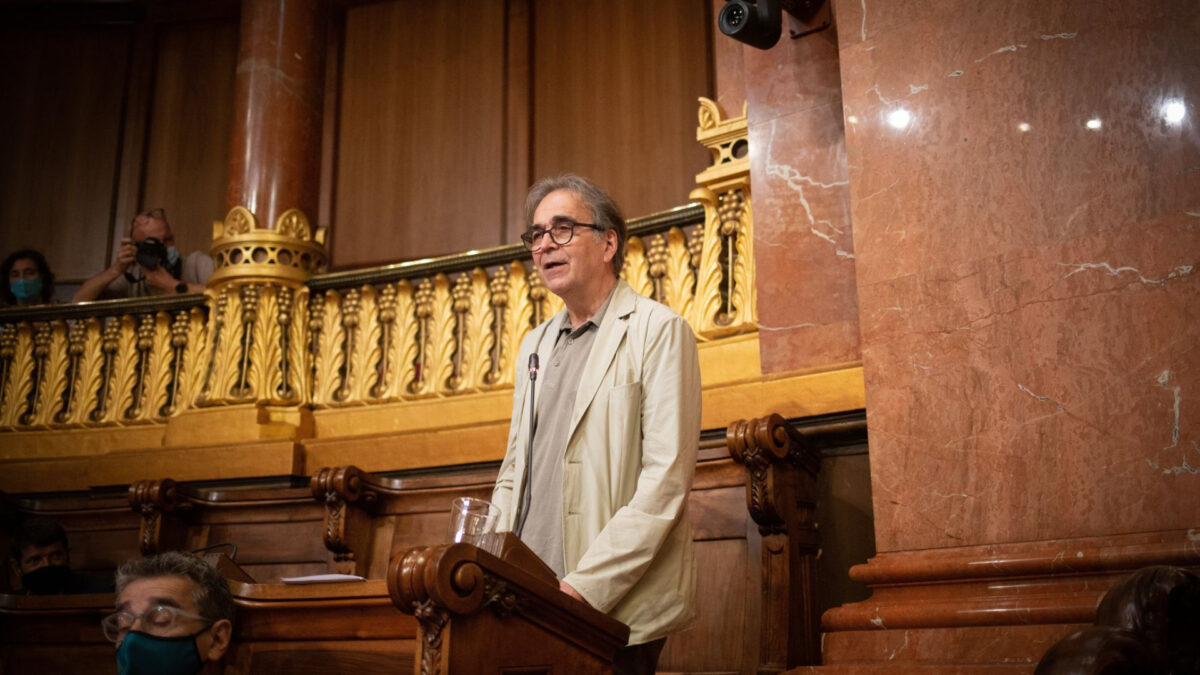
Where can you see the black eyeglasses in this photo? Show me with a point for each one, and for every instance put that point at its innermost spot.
(156, 621)
(562, 230)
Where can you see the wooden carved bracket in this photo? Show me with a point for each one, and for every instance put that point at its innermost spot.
(781, 471)
(161, 503)
(349, 498)
(781, 495)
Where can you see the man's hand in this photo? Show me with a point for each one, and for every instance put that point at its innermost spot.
(160, 278)
(125, 257)
(566, 588)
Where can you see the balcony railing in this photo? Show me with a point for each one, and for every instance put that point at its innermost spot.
(449, 326)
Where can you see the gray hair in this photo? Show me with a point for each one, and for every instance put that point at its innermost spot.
(605, 212)
(210, 591)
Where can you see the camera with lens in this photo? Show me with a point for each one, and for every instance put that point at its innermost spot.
(759, 23)
(151, 253)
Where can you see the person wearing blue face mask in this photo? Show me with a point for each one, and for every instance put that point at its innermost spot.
(30, 281)
(174, 616)
(148, 263)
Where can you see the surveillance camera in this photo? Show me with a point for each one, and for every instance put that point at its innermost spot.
(757, 24)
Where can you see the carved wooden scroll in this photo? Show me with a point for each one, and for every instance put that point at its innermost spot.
(349, 500)
(781, 495)
(161, 504)
(477, 612)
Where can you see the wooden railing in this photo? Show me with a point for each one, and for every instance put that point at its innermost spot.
(267, 333)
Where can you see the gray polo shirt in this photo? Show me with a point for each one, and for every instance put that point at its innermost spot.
(556, 390)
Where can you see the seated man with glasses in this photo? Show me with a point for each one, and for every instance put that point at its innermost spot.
(148, 264)
(596, 480)
(174, 615)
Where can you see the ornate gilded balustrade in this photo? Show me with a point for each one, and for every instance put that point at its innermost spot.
(267, 333)
(105, 363)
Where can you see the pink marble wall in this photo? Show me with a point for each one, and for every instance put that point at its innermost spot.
(1025, 190)
(804, 253)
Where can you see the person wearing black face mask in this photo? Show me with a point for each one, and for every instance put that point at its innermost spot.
(41, 561)
(174, 616)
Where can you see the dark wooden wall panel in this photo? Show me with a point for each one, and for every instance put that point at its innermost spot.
(190, 118)
(62, 90)
(615, 91)
(420, 139)
(441, 115)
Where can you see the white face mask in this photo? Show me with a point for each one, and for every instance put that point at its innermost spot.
(172, 255)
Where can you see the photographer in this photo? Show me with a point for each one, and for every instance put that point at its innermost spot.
(148, 264)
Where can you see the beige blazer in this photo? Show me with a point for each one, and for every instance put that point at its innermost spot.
(628, 465)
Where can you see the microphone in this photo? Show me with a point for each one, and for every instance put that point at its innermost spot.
(525, 494)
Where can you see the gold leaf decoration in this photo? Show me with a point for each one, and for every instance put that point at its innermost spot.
(404, 349)
(708, 301)
(239, 220)
(440, 338)
(143, 344)
(636, 270)
(53, 377)
(460, 298)
(329, 355)
(251, 297)
(480, 336)
(744, 298)
(498, 301)
(424, 310)
(19, 343)
(158, 368)
(518, 323)
(227, 369)
(363, 372)
(8, 348)
(296, 387)
(709, 114)
(192, 370)
(89, 379)
(219, 349)
(76, 344)
(387, 332)
(678, 280)
(294, 223)
(264, 375)
(123, 380)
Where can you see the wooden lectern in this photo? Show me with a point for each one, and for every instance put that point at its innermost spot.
(502, 613)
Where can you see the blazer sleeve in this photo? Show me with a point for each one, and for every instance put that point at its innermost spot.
(670, 428)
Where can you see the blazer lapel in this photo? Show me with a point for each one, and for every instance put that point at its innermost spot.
(608, 339)
(542, 350)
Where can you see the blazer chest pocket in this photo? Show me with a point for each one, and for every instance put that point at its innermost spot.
(625, 419)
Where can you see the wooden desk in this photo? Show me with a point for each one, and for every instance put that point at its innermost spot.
(55, 634)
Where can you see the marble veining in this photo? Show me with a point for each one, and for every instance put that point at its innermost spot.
(1043, 399)
(1179, 271)
(797, 182)
(1023, 185)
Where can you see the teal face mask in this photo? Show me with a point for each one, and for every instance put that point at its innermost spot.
(145, 654)
(26, 289)
(172, 256)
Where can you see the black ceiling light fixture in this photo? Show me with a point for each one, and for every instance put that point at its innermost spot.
(758, 23)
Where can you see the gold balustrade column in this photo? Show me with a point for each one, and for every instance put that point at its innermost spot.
(259, 347)
(723, 257)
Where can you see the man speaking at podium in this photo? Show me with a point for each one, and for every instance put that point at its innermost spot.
(608, 418)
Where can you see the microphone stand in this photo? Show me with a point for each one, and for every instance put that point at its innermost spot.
(525, 494)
